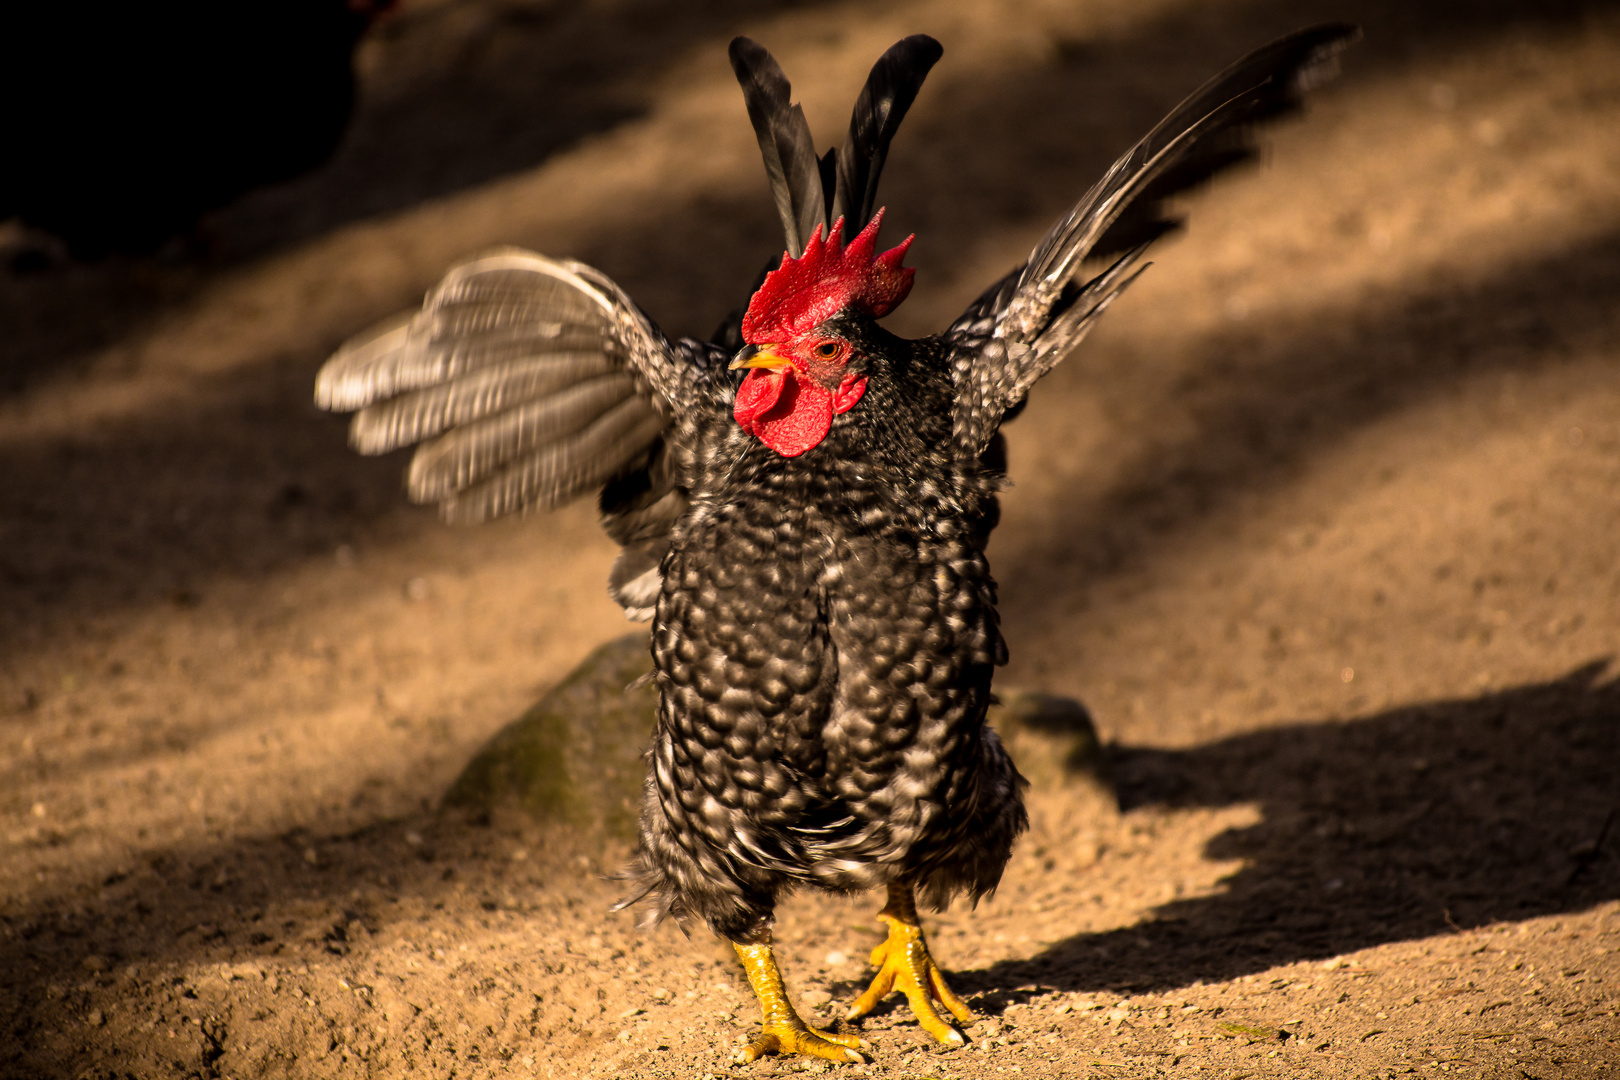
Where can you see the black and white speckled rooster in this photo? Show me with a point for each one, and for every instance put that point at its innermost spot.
(808, 535)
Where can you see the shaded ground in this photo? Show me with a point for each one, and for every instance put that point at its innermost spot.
(1320, 524)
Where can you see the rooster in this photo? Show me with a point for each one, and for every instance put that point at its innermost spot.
(803, 503)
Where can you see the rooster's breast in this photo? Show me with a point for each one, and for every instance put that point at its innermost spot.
(825, 658)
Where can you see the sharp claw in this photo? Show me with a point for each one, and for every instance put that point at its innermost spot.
(939, 1029)
(947, 996)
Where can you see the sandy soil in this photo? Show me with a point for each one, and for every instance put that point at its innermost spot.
(1320, 525)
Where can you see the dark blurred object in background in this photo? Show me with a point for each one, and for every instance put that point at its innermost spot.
(126, 121)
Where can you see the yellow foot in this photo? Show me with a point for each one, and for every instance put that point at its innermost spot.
(800, 1038)
(904, 964)
(784, 1032)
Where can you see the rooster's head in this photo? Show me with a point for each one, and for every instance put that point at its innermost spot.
(800, 373)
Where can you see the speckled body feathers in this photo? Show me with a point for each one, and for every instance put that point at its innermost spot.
(824, 642)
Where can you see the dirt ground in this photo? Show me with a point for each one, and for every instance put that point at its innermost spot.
(1321, 526)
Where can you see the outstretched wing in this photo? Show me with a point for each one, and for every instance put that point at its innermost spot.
(527, 381)
(1020, 327)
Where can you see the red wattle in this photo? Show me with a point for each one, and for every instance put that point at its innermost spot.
(760, 390)
(848, 393)
(788, 414)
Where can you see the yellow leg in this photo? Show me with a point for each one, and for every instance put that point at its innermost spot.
(903, 963)
(784, 1032)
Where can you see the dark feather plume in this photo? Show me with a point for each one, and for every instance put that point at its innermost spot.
(1266, 85)
(784, 142)
(848, 176)
(1208, 132)
(889, 91)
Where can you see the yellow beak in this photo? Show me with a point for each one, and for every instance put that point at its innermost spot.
(760, 356)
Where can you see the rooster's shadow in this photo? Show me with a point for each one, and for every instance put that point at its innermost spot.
(1418, 821)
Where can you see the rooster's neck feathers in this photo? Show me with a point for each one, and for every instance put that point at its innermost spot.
(831, 275)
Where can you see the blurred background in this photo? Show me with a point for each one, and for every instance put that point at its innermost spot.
(1331, 494)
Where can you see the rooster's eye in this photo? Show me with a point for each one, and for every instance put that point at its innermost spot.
(827, 350)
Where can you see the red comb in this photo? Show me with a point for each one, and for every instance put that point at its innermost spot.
(830, 274)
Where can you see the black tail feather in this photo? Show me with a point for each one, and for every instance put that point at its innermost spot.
(784, 142)
(889, 91)
(811, 191)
